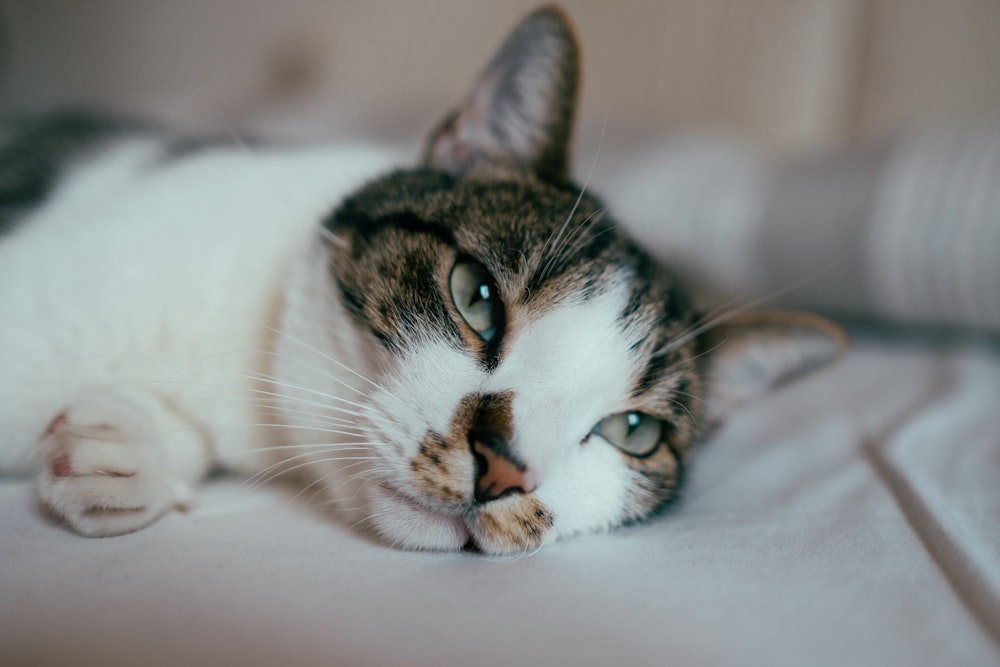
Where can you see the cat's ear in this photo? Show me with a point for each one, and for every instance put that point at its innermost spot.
(752, 353)
(520, 112)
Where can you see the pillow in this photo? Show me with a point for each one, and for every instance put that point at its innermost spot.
(908, 232)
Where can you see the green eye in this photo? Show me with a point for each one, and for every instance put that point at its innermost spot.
(634, 433)
(475, 297)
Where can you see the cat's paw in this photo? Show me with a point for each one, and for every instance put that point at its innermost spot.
(104, 471)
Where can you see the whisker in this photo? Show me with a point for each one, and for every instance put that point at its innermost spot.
(324, 356)
(298, 466)
(686, 409)
(275, 448)
(574, 244)
(555, 239)
(321, 481)
(292, 385)
(369, 518)
(281, 410)
(290, 427)
(322, 449)
(275, 470)
(314, 403)
(684, 361)
(321, 371)
(366, 412)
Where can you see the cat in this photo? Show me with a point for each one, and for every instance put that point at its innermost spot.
(465, 353)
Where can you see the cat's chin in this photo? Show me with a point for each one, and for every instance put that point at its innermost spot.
(409, 525)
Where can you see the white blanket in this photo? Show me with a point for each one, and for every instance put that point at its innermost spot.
(851, 519)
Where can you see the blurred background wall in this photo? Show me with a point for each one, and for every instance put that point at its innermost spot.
(791, 77)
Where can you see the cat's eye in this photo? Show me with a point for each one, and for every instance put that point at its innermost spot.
(475, 297)
(635, 433)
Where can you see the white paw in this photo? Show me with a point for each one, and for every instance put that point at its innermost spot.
(104, 471)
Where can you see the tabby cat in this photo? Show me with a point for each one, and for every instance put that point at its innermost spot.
(465, 353)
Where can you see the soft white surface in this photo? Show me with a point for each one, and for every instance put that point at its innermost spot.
(853, 519)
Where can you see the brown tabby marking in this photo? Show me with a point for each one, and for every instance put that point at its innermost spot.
(443, 467)
(443, 470)
(512, 524)
(656, 479)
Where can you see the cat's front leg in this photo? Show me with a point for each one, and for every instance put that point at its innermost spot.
(115, 463)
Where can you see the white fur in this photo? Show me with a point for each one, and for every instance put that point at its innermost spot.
(154, 284)
(567, 368)
(576, 370)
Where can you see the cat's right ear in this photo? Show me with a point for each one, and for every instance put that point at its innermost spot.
(752, 353)
(520, 113)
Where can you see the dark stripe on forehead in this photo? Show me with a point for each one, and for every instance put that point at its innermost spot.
(366, 227)
(395, 200)
(387, 271)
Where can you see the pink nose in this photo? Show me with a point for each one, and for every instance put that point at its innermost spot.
(497, 473)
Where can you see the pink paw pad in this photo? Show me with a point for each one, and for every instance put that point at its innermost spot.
(61, 466)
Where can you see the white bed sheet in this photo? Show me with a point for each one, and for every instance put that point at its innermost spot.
(850, 519)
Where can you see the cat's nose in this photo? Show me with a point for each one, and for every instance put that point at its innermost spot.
(498, 472)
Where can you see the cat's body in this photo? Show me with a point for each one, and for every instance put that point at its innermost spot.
(189, 317)
(470, 352)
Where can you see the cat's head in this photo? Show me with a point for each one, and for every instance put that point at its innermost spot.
(535, 373)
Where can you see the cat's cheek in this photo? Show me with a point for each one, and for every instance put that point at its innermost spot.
(405, 524)
(442, 471)
(588, 491)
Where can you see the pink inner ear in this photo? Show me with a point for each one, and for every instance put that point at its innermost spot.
(520, 113)
(465, 135)
(758, 351)
(446, 149)
(474, 121)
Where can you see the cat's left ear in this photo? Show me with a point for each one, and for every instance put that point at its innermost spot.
(520, 113)
(750, 354)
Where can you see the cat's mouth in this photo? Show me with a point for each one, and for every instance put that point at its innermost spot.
(415, 525)
(510, 525)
